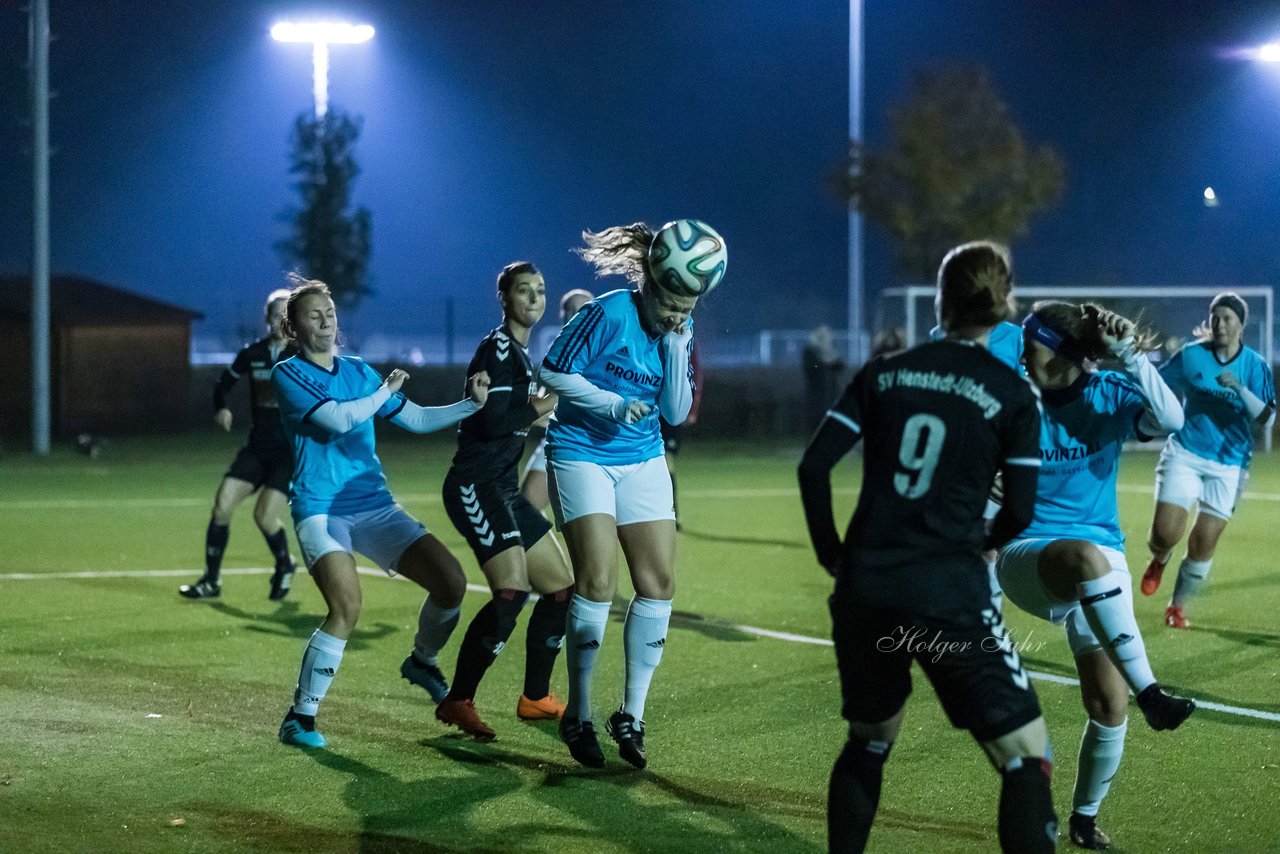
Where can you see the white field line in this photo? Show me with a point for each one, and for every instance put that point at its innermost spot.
(480, 588)
(433, 498)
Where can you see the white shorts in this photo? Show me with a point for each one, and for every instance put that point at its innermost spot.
(1020, 581)
(380, 535)
(538, 459)
(637, 492)
(1182, 479)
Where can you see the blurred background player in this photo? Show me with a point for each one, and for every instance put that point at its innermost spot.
(341, 504)
(673, 434)
(265, 462)
(620, 362)
(512, 541)
(939, 421)
(1068, 566)
(534, 487)
(1226, 389)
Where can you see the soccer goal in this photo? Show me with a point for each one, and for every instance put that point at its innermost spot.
(1171, 312)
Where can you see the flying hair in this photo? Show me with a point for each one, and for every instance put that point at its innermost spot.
(622, 250)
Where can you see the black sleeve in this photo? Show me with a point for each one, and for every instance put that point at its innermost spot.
(501, 416)
(1018, 507)
(228, 378)
(835, 437)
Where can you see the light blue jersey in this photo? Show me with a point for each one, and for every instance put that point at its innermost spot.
(607, 345)
(333, 474)
(1005, 343)
(1217, 425)
(1082, 429)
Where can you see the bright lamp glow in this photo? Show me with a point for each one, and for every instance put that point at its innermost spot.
(328, 32)
(321, 34)
(1269, 52)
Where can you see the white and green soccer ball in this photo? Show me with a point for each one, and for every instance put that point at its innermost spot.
(687, 257)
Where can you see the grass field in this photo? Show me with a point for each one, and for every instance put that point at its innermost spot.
(137, 721)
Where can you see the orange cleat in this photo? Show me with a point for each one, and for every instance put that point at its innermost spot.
(549, 708)
(1175, 619)
(463, 715)
(1151, 578)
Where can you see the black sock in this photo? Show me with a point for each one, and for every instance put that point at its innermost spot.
(543, 641)
(854, 793)
(279, 546)
(485, 637)
(215, 543)
(308, 721)
(1027, 820)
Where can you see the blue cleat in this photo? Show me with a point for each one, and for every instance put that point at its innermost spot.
(426, 676)
(298, 732)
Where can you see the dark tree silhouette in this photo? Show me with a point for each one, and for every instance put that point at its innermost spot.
(327, 241)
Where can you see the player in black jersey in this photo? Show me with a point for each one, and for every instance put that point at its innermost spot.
(265, 462)
(938, 422)
(510, 538)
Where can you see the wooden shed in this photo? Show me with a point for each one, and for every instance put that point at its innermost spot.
(119, 362)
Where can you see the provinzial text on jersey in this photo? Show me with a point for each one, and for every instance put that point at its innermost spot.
(965, 387)
(632, 376)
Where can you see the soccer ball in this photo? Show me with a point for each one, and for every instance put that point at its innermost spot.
(687, 258)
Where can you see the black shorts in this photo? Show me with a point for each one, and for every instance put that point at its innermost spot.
(271, 467)
(978, 678)
(670, 436)
(492, 518)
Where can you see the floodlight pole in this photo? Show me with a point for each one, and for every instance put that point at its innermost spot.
(856, 321)
(39, 53)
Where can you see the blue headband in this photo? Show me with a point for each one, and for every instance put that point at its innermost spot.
(1060, 344)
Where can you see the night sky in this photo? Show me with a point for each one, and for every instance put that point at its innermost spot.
(499, 130)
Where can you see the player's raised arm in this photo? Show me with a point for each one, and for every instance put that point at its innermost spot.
(427, 419)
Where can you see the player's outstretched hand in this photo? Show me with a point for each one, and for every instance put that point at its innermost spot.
(395, 380)
(223, 419)
(478, 387)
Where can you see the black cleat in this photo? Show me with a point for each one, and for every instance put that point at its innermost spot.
(426, 676)
(580, 737)
(1085, 833)
(629, 734)
(281, 581)
(1163, 710)
(202, 589)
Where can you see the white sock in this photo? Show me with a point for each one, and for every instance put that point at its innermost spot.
(584, 633)
(1192, 575)
(1107, 603)
(435, 625)
(644, 634)
(320, 662)
(1100, 752)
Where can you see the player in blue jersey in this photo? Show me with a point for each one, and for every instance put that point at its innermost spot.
(1226, 388)
(534, 487)
(1068, 566)
(620, 362)
(264, 464)
(341, 504)
(511, 539)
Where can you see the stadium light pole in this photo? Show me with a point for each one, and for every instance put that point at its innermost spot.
(321, 34)
(856, 320)
(40, 315)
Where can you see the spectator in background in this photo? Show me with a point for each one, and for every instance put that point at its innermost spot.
(889, 340)
(822, 367)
